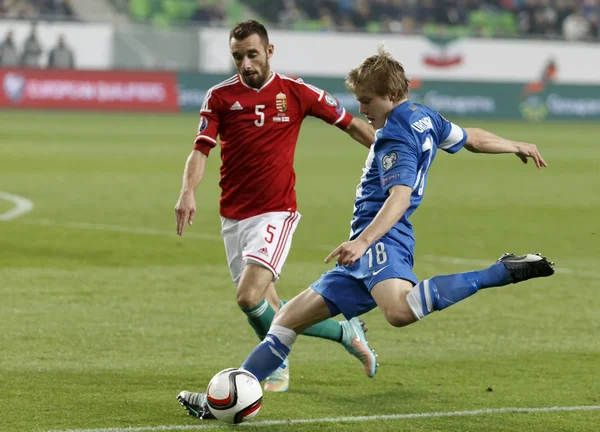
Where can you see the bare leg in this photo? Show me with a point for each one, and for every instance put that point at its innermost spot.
(304, 310)
(253, 285)
(251, 291)
(390, 296)
(272, 297)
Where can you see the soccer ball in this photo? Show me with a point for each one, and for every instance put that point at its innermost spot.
(234, 395)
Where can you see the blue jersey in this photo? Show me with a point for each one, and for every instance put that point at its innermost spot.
(402, 154)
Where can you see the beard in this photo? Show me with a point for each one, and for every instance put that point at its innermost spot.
(258, 78)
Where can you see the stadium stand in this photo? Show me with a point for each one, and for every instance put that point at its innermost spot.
(36, 9)
(167, 13)
(547, 19)
(572, 19)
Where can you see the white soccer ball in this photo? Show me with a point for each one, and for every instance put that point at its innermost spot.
(234, 395)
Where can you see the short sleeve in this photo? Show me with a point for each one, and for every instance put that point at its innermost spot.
(208, 127)
(321, 104)
(451, 137)
(398, 162)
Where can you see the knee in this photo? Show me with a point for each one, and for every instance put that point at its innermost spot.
(398, 313)
(248, 298)
(399, 317)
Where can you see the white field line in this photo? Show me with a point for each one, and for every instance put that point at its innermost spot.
(121, 228)
(214, 237)
(22, 206)
(213, 425)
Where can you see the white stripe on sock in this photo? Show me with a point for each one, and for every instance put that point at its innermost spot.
(258, 312)
(413, 299)
(427, 295)
(285, 335)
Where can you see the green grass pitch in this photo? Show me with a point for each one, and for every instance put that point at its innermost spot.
(106, 314)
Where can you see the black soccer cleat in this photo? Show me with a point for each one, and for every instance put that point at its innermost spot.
(195, 404)
(524, 267)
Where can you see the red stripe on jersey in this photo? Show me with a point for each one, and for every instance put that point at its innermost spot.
(284, 239)
(267, 265)
(280, 240)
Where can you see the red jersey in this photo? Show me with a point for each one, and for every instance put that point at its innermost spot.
(258, 130)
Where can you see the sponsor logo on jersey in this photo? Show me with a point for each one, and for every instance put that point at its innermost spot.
(237, 106)
(281, 102)
(423, 124)
(389, 160)
(388, 179)
(203, 124)
(281, 119)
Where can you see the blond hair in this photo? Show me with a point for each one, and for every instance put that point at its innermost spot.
(380, 74)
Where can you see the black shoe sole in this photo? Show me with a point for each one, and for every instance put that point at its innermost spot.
(522, 271)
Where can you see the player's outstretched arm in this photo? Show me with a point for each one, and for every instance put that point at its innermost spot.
(361, 131)
(192, 175)
(482, 141)
(390, 213)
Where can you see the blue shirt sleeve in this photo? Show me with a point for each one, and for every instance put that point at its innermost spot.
(397, 162)
(451, 137)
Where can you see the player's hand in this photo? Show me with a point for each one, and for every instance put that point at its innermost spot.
(348, 252)
(526, 150)
(185, 210)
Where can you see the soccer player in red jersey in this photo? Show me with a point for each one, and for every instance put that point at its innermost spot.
(257, 115)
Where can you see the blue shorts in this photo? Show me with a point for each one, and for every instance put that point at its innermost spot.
(347, 289)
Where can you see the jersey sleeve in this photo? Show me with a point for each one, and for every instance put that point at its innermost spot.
(398, 161)
(321, 104)
(451, 137)
(208, 127)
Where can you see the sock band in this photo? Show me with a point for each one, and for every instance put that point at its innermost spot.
(285, 335)
(257, 310)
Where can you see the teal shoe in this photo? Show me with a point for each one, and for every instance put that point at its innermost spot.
(355, 342)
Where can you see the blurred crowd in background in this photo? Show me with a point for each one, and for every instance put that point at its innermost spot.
(569, 19)
(32, 53)
(32, 9)
(573, 19)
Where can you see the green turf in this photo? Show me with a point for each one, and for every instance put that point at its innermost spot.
(107, 314)
(5, 206)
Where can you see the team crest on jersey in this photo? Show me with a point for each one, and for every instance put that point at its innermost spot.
(281, 102)
(389, 160)
(330, 100)
(203, 124)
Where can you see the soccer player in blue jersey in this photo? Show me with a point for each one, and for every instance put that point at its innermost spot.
(374, 268)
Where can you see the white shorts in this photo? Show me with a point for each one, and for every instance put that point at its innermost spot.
(263, 239)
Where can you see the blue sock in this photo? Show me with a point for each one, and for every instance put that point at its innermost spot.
(441, 292)
(268, 355)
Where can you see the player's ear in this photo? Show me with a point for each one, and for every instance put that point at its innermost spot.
(270, 50)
